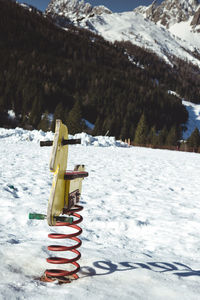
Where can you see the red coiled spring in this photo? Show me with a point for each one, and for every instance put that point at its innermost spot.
(66, 275)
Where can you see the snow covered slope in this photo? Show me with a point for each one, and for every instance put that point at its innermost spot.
(194, 118)
(180, 17)
(184, 32)
(170, 12)
(136, 27)
(130, 26)
(140, 228)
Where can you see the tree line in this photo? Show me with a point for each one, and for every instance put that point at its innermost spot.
(165, 138)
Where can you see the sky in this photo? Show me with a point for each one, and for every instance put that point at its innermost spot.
(114, 5)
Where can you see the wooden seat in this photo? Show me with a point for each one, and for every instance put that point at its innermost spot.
(70, 175)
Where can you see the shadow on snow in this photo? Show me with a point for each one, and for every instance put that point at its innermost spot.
(107, 267)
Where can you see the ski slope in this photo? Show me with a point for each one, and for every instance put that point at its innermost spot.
(140, 229)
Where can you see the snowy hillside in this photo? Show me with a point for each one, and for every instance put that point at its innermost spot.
(140, 228)
(181, 18)
(136, 27)
(183, 31)
(193, 116)
(193, 119)
(170, 12)
(130, 26)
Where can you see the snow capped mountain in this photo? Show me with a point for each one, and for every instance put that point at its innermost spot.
(170, 12)
(180, 17)
(143, 27)
(74, 10)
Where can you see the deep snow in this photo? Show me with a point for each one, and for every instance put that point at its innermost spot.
(140, 228)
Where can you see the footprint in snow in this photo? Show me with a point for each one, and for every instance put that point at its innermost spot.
(11, 189)
(142, 223)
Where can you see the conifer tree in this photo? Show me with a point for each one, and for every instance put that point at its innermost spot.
(172, 137)
(97, 126)
(152, 138)
(194, 140)
(141, 131)
(59, 113)
(74, 120)
(44, 122)
(125, 130)
(35, 114)
(3, 115)
(162, 136)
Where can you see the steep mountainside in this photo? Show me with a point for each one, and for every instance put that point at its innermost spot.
(141, 27)
(170, 12)
(180, 17)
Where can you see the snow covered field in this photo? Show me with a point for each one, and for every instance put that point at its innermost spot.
(140, 230)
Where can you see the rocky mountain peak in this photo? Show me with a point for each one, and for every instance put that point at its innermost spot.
(74, 10)
(196, 19)
(170, 12)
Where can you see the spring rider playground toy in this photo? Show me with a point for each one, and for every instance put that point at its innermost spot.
(63, 206)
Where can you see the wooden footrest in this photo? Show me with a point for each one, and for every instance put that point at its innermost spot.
(70, 175)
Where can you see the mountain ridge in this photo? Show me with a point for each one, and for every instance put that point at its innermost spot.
(74, 10)
(170, 12)
(142, 26)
